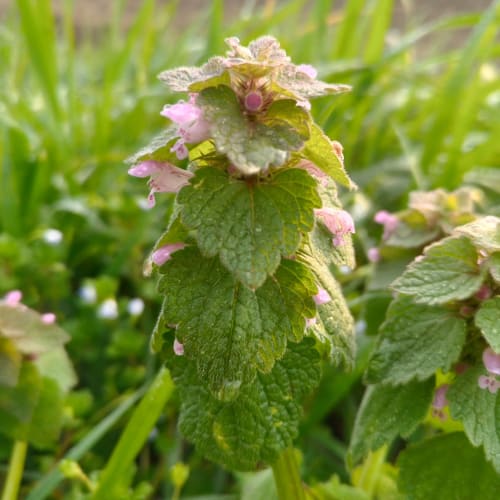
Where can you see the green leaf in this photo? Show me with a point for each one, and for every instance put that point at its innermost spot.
(28, 332)
(249, 224)
(229, 330)
(320, 151)
(415, 340)
(10, 363)
(261, 422)
(487, 319)
(387, 412)
(448, 271)
(158, 149)
(484, 233)
(47, 418)
(55, 364)
(32, 410)
(250, 146)
(494, 266)
(449, 468)
(479, 411)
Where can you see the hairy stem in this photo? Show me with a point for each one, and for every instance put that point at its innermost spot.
(15, 472)
(287, 476)
(135, 435)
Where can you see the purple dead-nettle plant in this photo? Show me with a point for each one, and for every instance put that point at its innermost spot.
(245, 263)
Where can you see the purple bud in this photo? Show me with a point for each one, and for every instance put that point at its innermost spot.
(309, 70)
(48, 318)
(440, 400)
(253, 101)
(484, 293)
(388, 220)
(339, 223)
(373, 254)
(13, 298)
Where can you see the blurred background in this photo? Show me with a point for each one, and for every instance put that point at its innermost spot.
(79, 94)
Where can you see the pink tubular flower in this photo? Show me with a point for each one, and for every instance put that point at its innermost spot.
(322, 297)
(491, 362)
(164, 253)
(314, 171)
(338, 222)
(388, 220)
(440, 402)
(13, 298)
(373, 254)
(192, 125)
(164, 177)
(178, 348)
(48, 318)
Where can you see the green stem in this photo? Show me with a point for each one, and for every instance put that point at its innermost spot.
(287, 476)
(16, 468)
(134, 436)
(371, 469)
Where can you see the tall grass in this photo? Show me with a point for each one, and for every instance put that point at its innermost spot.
(74, 104)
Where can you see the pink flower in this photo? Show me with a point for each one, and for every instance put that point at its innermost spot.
(48, 318)
(491, 362)
(440, 402)
(178, 348)
(314, 171)
(164, 177)
(338, 222)
(192, 125)
(322, 297)
(309, 70)
(388, 220)
(373, 254)
(253, 101)
(13, 298)
(164, 253)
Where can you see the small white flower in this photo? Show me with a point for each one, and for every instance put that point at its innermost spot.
(88, 293)
(135, 307)
(52, 236)
(108, 309)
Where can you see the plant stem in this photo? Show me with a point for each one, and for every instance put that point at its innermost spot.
(134, 436)
(15, 472)
(370, 474)
(287, 476)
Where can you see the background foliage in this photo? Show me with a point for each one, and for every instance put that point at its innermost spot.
(424, 113)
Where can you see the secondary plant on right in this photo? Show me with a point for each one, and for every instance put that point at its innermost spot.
(437, 356)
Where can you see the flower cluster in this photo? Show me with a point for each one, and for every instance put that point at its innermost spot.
(491, 361)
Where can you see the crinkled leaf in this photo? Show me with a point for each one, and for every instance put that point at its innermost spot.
(158, 149)
(25, 328)
(484, 233)
(412, 231)
(291, 81)
(487, 319)
(494, 266)
(249, 224)
(320, 151)
(261, 422)
(250, 146)
(479, 411)
(448, 271)
(387, 412)
(447, 467)
(485, 177)
(229, 330)
(32, 409)
(193, 79)
(415, 340)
